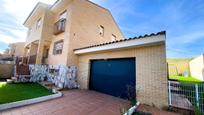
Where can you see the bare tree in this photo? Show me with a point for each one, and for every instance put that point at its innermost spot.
(6, 51)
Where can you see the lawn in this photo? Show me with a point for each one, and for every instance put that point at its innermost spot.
(21, 91)
(184, 79)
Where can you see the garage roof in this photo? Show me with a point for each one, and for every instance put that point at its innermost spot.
(146, 39)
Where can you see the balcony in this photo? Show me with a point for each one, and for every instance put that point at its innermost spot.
(59, 26)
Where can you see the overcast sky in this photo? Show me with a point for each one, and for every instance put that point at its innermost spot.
(182, 19)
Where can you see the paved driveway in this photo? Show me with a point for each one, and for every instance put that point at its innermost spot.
(74, 102)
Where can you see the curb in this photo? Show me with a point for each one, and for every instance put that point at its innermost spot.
(29, 101)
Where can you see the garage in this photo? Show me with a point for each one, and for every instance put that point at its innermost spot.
(115, 77)
(140, 62)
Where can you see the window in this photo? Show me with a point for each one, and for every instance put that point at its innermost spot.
(63, 15)
(101, 31)
(113, 37)
(58, 46)
(38, 24)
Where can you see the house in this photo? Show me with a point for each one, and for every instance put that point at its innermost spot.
(54, 31)
(3, 55)
(84, 34)
(16, 49)
(197, 67)
(13, 50)
(178, 66)
(7, 59)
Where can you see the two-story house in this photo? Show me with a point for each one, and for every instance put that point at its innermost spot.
(54, 31)
(84, 34)
(16, 49)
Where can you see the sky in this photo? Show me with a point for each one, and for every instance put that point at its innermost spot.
(183, 20)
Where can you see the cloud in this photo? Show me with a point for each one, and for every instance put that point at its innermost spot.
(180, 18)
(190, 37)
(21, 8)
(7, 38)
(12, 15)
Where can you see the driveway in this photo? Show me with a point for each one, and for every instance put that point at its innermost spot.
(74, 102)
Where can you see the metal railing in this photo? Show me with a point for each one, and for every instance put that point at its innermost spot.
(59, 26)
(186, 95)
(32, 59)
(22, 70)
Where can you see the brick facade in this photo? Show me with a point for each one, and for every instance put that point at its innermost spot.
(151, 72)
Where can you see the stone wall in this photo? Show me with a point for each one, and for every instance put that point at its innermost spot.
(62, 76)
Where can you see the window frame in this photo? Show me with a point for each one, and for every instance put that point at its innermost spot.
(101, 30)
(61, 14)
(59, 51)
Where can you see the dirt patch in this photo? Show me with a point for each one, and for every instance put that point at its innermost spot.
(155, 111)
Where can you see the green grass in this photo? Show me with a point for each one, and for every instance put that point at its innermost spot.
(179, 59)
(184, 79)
(21, 91)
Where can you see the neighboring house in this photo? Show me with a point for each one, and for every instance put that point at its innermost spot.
(5, 56)
(16, 49)
(81, 33)
(178, 66)
(197, 67)
(2, 56)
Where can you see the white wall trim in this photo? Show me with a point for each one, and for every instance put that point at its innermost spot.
(152, 40)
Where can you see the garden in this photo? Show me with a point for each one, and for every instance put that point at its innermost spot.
(41, 84)
(12, 92)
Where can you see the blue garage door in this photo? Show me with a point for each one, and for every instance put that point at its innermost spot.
(113, 76)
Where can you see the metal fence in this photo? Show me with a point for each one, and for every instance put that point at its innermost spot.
(186, 95)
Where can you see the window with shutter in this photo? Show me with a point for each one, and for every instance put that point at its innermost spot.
(101, 31)
(58, 47)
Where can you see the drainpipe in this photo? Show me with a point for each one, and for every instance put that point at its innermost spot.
(132, 109)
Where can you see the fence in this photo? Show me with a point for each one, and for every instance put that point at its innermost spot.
(6, 70)
(186, 95)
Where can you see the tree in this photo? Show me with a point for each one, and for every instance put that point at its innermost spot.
(6, 51)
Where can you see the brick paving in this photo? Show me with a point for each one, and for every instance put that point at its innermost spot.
(74, 102)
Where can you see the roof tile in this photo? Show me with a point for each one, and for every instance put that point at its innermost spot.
(122, 40)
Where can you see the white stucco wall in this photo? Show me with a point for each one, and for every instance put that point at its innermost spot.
(197, 67)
